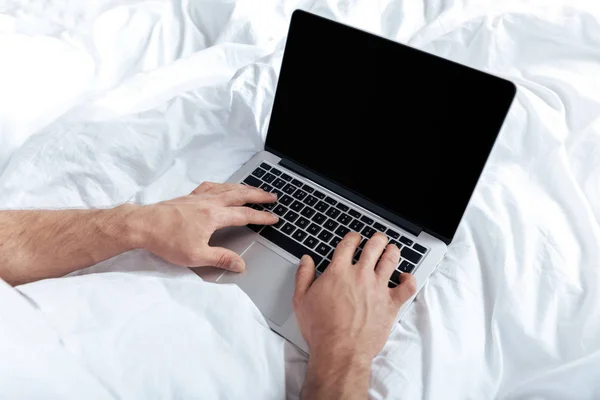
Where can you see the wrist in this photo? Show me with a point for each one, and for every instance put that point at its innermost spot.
(135, 230)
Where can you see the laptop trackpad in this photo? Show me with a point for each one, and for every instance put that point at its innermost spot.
(269, 281)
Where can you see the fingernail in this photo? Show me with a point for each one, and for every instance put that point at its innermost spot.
(303, 259)
(236, 266)
(273, 195)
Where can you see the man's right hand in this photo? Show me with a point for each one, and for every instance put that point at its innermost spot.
(347, 314)
(178, 230)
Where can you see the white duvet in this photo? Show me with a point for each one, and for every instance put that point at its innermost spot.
(103, 102)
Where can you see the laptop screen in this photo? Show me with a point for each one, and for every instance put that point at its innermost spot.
(402, 128)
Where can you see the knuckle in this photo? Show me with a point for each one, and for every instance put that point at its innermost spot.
(223, 261)
(380, 237)
(346, 243)
(390, 257)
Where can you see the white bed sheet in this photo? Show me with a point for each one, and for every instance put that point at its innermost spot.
(104, 102)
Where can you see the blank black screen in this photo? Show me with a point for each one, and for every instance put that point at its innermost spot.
(405, 129)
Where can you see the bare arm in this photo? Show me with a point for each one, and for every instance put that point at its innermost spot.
(44, 244)
(347, 314)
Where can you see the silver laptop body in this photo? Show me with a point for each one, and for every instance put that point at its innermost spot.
(322, 210)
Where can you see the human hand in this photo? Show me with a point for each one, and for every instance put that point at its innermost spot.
(350, 308)
(178, 230)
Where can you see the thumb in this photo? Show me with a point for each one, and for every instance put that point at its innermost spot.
(224, 258)
(305, 275)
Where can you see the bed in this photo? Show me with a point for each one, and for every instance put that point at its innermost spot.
(104, 102)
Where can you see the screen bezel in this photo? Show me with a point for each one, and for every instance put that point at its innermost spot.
(497, 85)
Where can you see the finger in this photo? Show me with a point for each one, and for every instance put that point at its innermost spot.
(405, 290)
(388, 262)
(240, 216)
(373, 250)
(305, 275)
(246, 195)
(222, 258)
(346, 248)
(204, 187)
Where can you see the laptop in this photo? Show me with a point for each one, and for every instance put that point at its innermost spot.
(365, 135)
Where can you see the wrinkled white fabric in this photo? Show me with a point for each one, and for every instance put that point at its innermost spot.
(125, 100)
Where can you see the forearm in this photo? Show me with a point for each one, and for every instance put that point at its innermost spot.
(44, 244)
(335, 374)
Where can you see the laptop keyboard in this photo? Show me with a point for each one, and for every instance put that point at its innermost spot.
(313, 223)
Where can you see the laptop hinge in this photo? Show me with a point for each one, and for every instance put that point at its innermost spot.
(353, 197)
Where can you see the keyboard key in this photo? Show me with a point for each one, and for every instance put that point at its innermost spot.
(319, 195)
(255, 228)
(297, 206)
(266, 187)
(323, 266)
(368, 232)
(343, 207)
(289, 189)
(270, 206)
(307, 188)
(355, 213)
(407, 267)
(252, 181)
(356, 225)
(335, 241)
(294, 248)
(331, 225)
(259, 172)
(265, 166)
(300, 194)
(268, 178)
(286, 200)
(366, 220)
(330, 255)
(391, 285)
(275, 171)
(325, 236)
(342, 231)
(393, 234)
(310, 200)
(395, 277)
(311, 242)
(406, 241)
(314, 229)
(279, 223)
(286, 177)
(330, 201)
(279, 193)
(379, 227)
(362, 244)
(302, 223)
(321, 206)
(419, 248)
(323, 249)
(297, 182)
(288, 228)
(299, 235)
(308, 212)
(280, 210)
(344, 219)
(257, 207)
(319, 218)
(291, 216)
(333, 212)
(279, 183)
(357, 255)
(410, 255)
